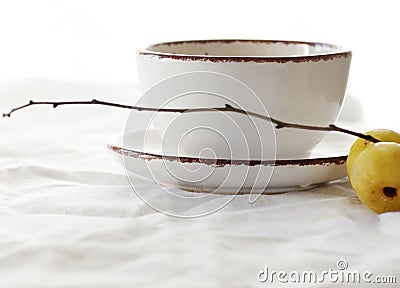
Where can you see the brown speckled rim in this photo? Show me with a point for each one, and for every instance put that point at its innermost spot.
(327, 161)
(337, 52)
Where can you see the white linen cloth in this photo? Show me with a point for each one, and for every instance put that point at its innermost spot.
(69, 218)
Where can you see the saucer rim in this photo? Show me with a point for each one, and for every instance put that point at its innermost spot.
(314, 170)
(221, 162)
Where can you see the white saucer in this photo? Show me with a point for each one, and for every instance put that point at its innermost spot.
(326, 163)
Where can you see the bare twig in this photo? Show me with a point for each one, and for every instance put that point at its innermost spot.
(227, 108)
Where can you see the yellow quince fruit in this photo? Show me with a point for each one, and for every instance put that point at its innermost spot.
(359, 145)
(375, 176)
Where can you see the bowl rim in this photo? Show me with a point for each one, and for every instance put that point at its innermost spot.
(337, 52)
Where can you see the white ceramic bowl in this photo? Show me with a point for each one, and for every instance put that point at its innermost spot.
(293, 81)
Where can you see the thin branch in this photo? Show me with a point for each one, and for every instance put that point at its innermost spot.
(227, 108)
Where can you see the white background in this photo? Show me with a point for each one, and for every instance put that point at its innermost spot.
(95, 41)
